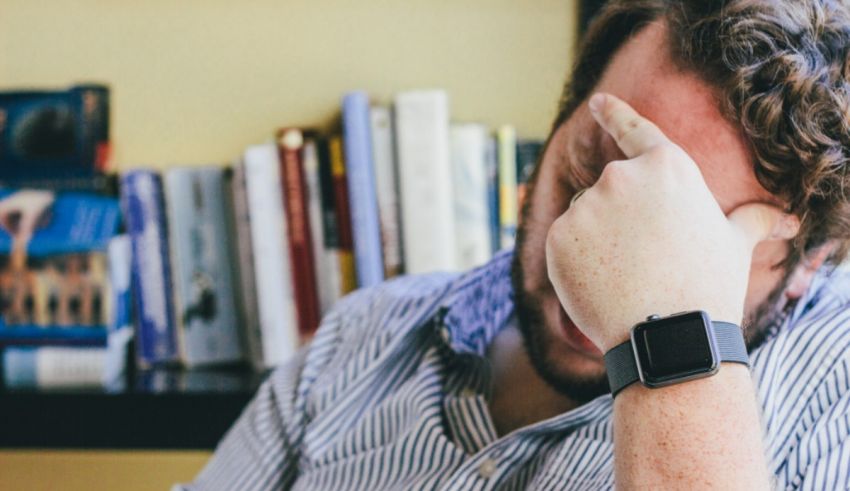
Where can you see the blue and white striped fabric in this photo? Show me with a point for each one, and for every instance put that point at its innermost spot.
(392, 394)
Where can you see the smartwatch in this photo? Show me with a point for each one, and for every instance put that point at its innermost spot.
(669, 350)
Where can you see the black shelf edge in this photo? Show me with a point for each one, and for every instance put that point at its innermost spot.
(190, 416)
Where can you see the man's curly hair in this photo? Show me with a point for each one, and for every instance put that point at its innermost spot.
(783, 72)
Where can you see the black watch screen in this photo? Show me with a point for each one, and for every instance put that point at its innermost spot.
(675, 348)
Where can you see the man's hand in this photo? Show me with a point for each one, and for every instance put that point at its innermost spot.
(649, 238)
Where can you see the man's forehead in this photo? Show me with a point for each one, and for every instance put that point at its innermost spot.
(687, 110)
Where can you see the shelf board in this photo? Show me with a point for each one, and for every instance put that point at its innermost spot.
(156, 409)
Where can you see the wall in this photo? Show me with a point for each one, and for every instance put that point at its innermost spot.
(196, 81)
(88, 471)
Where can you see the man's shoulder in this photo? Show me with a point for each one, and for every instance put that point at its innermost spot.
(803, 375)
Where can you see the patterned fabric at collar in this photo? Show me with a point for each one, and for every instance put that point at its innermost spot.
(479, 305)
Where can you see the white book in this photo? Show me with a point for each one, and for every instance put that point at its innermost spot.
(328, 285)
(472, 213)
(272, 270)
(200, 265)
(425, 181)
(383, 155)
(65, 366)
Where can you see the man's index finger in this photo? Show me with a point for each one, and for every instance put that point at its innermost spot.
(633, 133)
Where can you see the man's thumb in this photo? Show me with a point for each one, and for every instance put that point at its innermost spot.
(760, 221)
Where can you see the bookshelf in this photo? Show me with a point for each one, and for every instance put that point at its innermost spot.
(195, 82)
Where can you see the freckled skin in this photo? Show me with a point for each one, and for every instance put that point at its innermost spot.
(679, 437)
(684, 108)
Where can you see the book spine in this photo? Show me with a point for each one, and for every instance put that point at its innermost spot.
(120, 295)
(527, 154)
(206, 314)
(327, 289)
(156, 335)
(247, 308)
(472, 217)
(386, 185)
(302, 262)
(54, 367)
(346, 243)
(506, 137)
(425, 181)
(96, 108)
(491, 161)
(363, 201)
(330, 220)
(278, 318)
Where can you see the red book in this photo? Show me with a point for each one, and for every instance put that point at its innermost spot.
(290, 146)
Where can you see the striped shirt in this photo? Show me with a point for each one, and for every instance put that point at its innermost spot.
(392, 394)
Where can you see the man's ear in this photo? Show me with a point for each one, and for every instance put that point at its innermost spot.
(802, 276)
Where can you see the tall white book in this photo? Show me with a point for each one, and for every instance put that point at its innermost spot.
(272, 270)
(425, 181)
(383, 155)
(471, 209)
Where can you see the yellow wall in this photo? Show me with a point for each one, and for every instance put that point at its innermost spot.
(93, 471)
(194, 81)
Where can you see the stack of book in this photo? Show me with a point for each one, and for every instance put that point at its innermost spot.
(228, 264)
(241, 263)
(65, 315)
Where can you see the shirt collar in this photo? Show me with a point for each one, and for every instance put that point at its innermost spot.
(478, 306)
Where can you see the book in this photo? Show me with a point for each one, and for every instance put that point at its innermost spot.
(290, 143)
(325, 258)
(203, 285)
(527, 154)
(145, 220)
(53, 267)
(425, 181)
(363, 201)
(54, 134)
(471, 207)
(67, 367)
(508, 211)
(346, 262)
(53, 364)
(272, 270)
(243, 267)
(386, 187)
(491, 162)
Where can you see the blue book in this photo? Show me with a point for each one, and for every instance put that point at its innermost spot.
(492, 162)
(54, 283)
(54, 134)
(144, 210)
(363, 201)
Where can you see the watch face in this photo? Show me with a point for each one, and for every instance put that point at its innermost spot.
(675, 348)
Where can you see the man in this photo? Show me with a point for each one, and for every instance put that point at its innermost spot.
(706, 174)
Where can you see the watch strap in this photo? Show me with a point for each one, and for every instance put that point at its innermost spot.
(623, 371)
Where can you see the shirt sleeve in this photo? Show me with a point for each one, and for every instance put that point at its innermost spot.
(258, 453)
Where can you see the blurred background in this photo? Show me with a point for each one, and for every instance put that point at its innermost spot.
(187, 187)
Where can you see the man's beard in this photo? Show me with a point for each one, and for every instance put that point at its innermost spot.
(759, 325)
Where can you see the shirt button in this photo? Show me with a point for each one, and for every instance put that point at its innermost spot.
(446, 335)
(487, 468)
